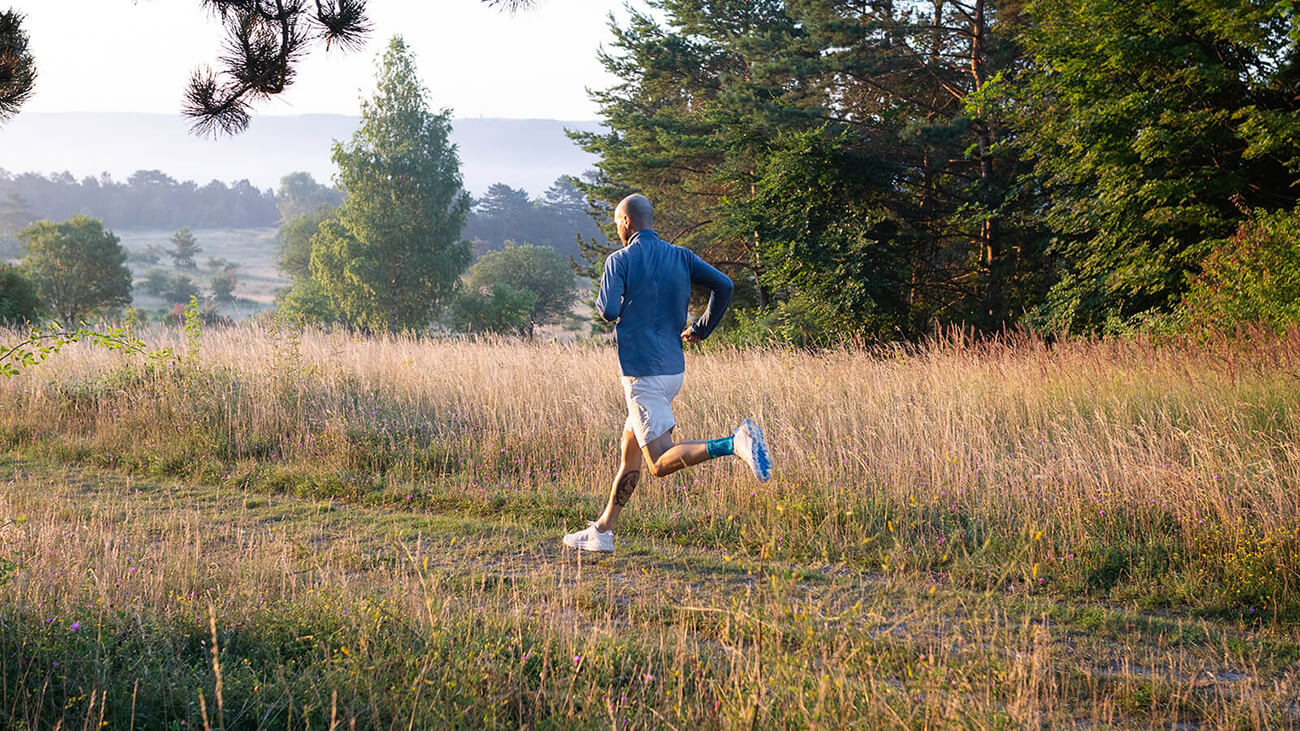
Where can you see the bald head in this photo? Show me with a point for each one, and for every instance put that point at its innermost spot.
(634, 213)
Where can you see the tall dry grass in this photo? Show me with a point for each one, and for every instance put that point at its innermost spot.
(156, 604)
(1119, 468)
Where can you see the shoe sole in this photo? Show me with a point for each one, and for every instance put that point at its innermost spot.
(582, 547)
(760, 458)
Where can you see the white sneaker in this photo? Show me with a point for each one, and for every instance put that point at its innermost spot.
(750, 445)
(590, 539)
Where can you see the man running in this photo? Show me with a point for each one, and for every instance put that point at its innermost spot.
(646, 288)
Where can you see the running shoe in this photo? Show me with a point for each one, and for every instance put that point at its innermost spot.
(751, 446)
(590, 539)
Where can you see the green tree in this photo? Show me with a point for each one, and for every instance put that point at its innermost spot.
(306, 303)
(295, 234)
(223, 284)
(1153, 126)
(540, 270)
(180, 288)
(15, 215)
(714, 97)
(17, 68)
(78, 267)
(393, 258)
(499, 310)
(19, 303)
(184, 248)
(155, 282)
(1252, 279)
(300, 195)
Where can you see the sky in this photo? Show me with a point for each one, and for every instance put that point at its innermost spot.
(137, 55)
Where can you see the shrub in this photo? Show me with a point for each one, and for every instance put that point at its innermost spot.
(18, 300)
(1252, 279)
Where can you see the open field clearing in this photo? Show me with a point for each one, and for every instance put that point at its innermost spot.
(253, 249)
(1098, 534)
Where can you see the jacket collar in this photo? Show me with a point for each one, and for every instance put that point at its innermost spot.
(645, 234)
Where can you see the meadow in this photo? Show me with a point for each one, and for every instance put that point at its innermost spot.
(266, 529)
(252, 249)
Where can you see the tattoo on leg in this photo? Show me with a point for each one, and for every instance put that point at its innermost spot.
(625, 487)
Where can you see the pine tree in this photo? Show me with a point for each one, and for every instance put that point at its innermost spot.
(184, 247)
(392, 259)
(17, 68)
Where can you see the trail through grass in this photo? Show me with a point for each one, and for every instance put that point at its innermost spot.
(328, 613)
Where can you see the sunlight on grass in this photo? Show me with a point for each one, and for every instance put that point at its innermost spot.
(956, 534)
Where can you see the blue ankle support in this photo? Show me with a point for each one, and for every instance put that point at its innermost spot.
(720, 447)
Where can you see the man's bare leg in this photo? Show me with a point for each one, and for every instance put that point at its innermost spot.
(664, 458)
(625, 480)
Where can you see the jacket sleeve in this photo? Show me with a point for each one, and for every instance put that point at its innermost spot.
(613, 282)
(720, 288)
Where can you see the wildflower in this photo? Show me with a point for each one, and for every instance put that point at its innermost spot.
(74, 626)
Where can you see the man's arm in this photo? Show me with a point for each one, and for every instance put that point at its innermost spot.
(720, 288)
(609, 303)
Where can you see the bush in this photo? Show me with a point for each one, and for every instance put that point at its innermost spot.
(18, 300)
(801, 321)
(540, 270)
(180, 289)
(306, 303)
(1252, 279)
(223, 285)
(155, 282)
(501, 310)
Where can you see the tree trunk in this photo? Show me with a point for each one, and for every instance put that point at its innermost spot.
(989, 235)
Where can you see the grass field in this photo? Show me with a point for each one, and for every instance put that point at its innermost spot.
(252, 249)
(269, 530)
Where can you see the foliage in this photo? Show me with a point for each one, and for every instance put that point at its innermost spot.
(78, 267)
(498, 309)
(17, 67)
(295, 235)
(39, 344)
(1253, 279)
(300, 195)
(223, 284)
(184, 247)
(539, 270)
(558, 218)
(180, 289)
(1152, 125)
(306, 302)
(156, 282)
(828, 238)
(392, 259)
(148, 199)
(18, 301)
(714, 101)
(265, 40)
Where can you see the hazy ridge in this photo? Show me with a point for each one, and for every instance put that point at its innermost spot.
(523, 153)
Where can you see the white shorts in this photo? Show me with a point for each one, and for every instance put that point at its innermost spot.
(649, 405)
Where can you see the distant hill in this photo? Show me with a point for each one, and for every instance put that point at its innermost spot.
(523, 153)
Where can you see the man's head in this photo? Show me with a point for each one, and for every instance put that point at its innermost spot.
(634, 213)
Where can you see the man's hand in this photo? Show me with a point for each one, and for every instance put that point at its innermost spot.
(689, 336)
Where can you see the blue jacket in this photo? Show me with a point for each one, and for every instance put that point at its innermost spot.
(646, 288)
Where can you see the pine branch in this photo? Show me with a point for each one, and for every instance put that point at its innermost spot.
(17, 68)
(265, 41)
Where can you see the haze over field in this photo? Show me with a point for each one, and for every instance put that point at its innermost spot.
(522, 153)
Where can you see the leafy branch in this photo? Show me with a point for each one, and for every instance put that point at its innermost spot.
(40, 344)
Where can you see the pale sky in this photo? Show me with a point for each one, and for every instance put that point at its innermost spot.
(136, 56)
